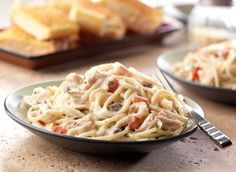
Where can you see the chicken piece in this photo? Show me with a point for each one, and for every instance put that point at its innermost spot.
(72, 82)
(91, 77)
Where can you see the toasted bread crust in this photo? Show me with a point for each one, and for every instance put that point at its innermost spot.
(43, 22)
(97, 19)
(137, 16)
(63, 5)
(15, 39)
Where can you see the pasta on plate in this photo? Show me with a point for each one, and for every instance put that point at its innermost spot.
(214, 65)
(108, 102)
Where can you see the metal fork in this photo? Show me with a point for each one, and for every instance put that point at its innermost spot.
(215, 134)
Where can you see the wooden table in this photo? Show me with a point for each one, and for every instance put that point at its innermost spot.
(21, 150)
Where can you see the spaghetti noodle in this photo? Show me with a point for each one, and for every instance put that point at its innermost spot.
(109, 102)
(214, 65)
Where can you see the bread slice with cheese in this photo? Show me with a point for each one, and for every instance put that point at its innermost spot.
(97, 19)
(16, 40)
(43, 22)
(137, 16)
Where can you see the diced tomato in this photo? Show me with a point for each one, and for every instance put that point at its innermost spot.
(59, 129)
(137, 99)
(113, 84)
(195, 74)
(42, 122)
(134, 123)
(223, 53)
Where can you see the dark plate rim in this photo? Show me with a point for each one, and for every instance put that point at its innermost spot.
(170, 74)
(44, 131)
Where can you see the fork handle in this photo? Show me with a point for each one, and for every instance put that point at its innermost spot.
(215, 134)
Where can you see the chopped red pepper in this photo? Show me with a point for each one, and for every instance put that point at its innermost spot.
(137, 99)
(42, 122)
(195, 74)
(59, 129)
(134, 123)
(113, 84)
(223, 53)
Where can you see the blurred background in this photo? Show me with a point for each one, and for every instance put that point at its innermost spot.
(201, 22)
(195, 13)
(6, 4)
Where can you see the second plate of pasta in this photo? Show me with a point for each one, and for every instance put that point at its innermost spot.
(172, 61)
